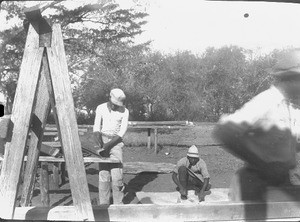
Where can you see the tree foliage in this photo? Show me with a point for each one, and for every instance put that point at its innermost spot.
(99, 43)
(88, 31)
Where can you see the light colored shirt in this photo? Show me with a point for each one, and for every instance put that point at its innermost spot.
(109, 122)
(266, 110)
(271, 110)
(200, 168)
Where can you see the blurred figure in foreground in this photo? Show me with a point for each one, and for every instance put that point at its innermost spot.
(265, 134)
(191, 171)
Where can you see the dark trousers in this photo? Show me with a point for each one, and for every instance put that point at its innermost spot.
(188, 180)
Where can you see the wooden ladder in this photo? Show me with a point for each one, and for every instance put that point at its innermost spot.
(43, 84)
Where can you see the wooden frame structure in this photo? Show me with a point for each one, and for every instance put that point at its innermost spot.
(43, 84)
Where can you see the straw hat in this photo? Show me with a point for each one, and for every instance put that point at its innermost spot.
(193, 152)
(117, 97)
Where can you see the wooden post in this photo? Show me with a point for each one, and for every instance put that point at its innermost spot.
(63, 173)
(155, 140)
(149, 138)
(55, 175)
(40, 113)
(68, 125)
(44, 184)
(20, 118)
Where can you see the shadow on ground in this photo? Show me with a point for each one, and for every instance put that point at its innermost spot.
(136, 184)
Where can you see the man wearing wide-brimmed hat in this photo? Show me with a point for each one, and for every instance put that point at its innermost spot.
(191, 172)
(110, 125)
(265, 133)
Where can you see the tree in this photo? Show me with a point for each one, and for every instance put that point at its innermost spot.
(88, 31)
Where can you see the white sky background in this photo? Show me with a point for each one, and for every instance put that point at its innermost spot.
(197, 24)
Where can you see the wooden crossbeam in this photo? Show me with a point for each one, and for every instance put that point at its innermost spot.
(222, 211)
(51, 159)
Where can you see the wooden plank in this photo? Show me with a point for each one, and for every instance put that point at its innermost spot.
(40, 113)
(55, 144)
(44, 184)
(129, 167)
(5, 124)
(84, 128)
(139, 167)
(55, 175)
(149, 138)
(20, 118)
(159, 127)
(85, 159)
(50, 150)
(54, 129)
(155, 141)
(68, 125)
(222, 211)
(153, 123)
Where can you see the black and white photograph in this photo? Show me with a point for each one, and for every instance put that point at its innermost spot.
(150, 110)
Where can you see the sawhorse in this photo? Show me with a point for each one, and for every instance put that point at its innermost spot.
(43, 84)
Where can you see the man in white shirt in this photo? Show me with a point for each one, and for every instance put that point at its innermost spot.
(111, 122)
(265, 133)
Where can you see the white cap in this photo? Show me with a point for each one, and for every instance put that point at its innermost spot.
(193, 152)
(117, 97)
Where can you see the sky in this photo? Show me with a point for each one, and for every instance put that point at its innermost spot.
(197, 24)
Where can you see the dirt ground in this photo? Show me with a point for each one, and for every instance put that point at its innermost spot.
(172, 145)
(221, 166)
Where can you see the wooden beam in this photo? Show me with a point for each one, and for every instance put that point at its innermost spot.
(68, 125)
(222, 211)
(54, 129)
(44, 184)
(39, 119)
(20, 118)
(129, 167)
(55, 175)
(85, 159)
(155, 140)
(149, 138)
(169, 123)
(139, 167)
(40, 24)
(158, 127)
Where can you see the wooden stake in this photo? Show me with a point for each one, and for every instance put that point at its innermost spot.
(149, 138)
(55, 175)
(40, 114)
(67, 124)
(20, 118)
(44, 184)
(155, 140)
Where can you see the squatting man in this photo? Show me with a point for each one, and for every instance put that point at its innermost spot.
(111, 123)
(191, 172)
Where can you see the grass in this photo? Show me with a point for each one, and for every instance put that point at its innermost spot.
(200, 134)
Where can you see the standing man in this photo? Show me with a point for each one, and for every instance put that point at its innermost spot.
(111, 122)
(191, 171)
(265, 133)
